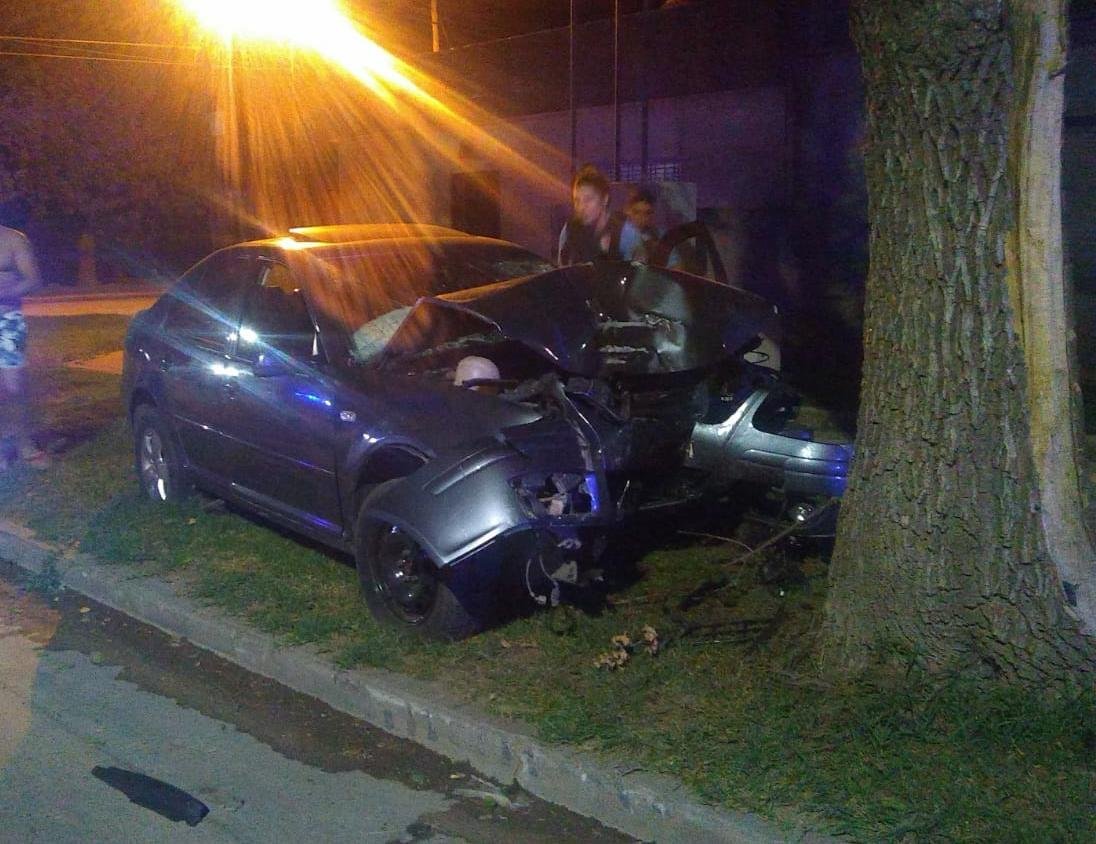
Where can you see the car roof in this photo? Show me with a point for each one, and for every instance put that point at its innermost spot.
(368, 238)
(357, 232)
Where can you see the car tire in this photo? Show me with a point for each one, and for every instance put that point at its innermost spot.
(160, 470)
(404, 588)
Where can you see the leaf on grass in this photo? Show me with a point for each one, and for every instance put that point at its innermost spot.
(650, 639)
(612, 660)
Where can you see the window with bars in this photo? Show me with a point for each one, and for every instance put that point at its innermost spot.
(657, 171)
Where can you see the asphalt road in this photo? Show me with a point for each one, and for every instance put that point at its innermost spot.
(93, 704)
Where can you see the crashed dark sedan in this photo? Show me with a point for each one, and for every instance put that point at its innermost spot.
(315, 380)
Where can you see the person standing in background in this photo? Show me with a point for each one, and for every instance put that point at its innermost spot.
(640, 213)
(18, 277)
(592, 232)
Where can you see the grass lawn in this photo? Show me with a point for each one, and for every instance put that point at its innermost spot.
(731, 703)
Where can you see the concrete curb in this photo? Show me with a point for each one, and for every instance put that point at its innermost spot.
(646, 806)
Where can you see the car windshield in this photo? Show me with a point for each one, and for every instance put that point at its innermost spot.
(376, 288)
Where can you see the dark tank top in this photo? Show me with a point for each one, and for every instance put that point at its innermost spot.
(584, 244)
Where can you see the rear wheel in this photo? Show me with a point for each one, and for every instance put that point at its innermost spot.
(405, 589)
(160, 471)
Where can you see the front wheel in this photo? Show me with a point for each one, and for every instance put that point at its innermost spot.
(160, 472)
(405, 589)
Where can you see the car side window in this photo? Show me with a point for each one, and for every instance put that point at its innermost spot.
(275, 316)
(205, 303)
(694, 258)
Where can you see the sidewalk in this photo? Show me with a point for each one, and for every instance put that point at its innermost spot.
(125, 300)
(127, 290)
(650, 807)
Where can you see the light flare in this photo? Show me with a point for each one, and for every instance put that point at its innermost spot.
(278, 125)
(321, 27)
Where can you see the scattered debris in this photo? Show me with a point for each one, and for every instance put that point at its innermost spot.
(726, 540)
(164, 799)
(650, 639)
(612, 660)
(624, 646)
(493, 798)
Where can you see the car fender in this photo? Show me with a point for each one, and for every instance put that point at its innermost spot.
(466, 499)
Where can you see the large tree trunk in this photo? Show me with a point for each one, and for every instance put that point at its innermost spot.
(960, 539)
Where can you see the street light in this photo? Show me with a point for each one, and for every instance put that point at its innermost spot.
(441, 121)
(321, 27)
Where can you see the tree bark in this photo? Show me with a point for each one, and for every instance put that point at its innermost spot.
(960, 540)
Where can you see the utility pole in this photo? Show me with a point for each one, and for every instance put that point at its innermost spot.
(435, 26)
(616, 90)
(571, 88)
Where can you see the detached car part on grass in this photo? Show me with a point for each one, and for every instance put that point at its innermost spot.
(752, 441)
(312, 382)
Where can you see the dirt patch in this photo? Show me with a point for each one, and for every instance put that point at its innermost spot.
(110, 363)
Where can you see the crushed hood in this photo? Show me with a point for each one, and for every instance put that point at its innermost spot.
(598, 319)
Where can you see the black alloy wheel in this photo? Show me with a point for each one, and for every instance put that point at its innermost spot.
(404, 574)
(405, 589)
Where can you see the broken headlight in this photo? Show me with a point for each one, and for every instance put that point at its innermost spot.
(557, 494)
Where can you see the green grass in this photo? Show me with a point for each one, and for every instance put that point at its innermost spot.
(66, 339)
(732, 705)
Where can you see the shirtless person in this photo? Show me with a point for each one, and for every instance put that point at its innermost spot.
(18, 277)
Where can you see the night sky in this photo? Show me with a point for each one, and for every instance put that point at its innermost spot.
(470, 21)
(400, 25)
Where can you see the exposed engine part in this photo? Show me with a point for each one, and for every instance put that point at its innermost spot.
(557, 495)
(552, 598)
(801, 513)
(566, 573)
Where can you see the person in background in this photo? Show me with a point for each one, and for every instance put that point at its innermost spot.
(640, 235)
(18, 277)
(640, 213)
(593, 231)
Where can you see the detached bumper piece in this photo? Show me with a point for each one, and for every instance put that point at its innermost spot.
(743, 447)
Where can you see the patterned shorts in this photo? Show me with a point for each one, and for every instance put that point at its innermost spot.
(13, 339)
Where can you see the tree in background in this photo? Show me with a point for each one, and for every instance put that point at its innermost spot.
(113, 141)
(961, 539)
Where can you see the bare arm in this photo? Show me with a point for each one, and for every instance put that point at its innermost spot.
(22, 257)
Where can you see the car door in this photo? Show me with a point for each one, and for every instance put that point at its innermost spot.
(280, 405)
(193, 356)
(692, 248)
